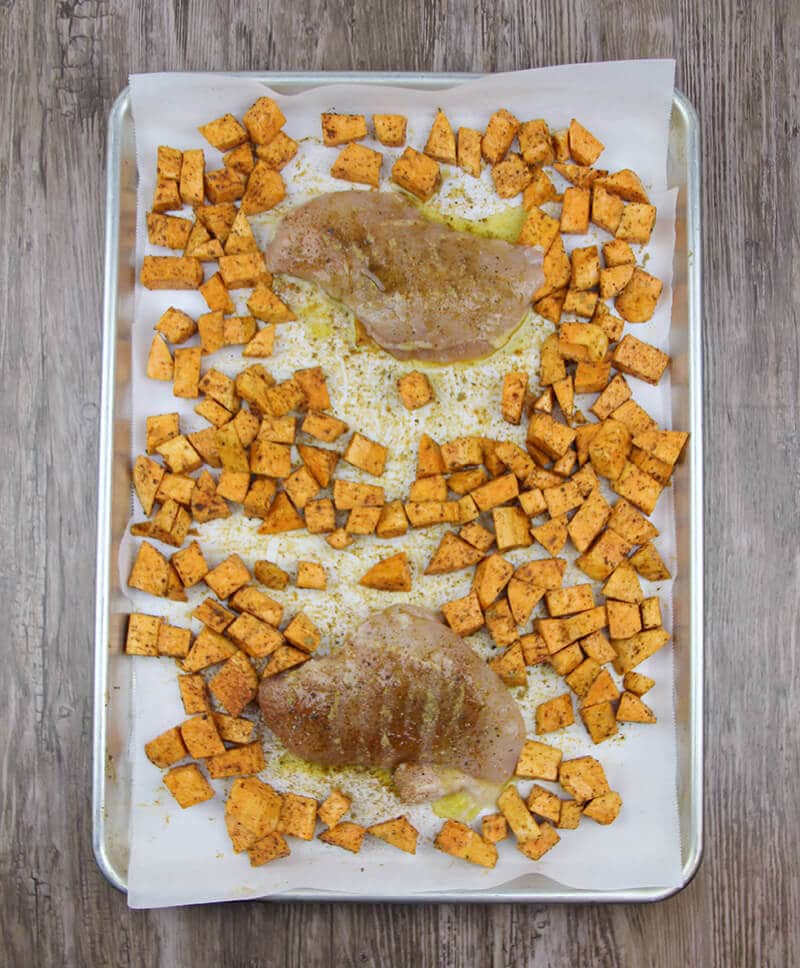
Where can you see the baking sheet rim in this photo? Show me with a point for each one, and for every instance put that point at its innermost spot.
(693, 836)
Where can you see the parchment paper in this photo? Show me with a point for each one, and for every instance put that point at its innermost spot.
(183, 857)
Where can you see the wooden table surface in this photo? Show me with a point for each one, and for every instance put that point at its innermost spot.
(62, 66)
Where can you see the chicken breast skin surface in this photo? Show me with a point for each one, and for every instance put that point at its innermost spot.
(405, 691)
(421, 289)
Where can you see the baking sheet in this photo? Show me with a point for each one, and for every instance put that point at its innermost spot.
(659, 407)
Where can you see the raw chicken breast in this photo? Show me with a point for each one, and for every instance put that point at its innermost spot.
(404, 690)
(419, 288)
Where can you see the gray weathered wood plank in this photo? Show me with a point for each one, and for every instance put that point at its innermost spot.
(62, 65)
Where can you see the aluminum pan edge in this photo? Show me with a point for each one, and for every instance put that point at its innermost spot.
(289, 82)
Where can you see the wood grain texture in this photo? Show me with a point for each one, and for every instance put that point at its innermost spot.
(62, 66)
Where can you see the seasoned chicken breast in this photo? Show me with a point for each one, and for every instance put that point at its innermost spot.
(419, 288)
(404, 692)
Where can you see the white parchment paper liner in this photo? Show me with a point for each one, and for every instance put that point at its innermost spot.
(183, 857)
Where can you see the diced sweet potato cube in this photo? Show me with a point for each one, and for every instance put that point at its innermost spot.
(583, 778)
(552, 535)
(544, 804)
(416, 173)
(523, 597)
(168, 162)
(441, 143)
(540, 190)
(613, 280)
(534, 648)
(636, 358)
(519, 818)
(540, 231)
(228, 576)
(627, 185)
(392, 521)
(498, 491)
(223, 185)
(458, 840)
(624, 619)
(510, 176)
(239, 159)
(622, 584)
(239, 761)
(535, 143)
(567, 659)
(391, 574)
(167, 749)
(637, 301)
(311, 574)
(243, 272)
(174, 641)
(537, 847)
(602, 689)
(538, 761)
(500, 622)
(549, 436)
(583, 146)
(606, 209)
(191, 181)
(263, 120)
(236, 683)
(216, 295)
(510, 666)
(511, 527)
(638, 487)
(582, 677)
(302, 633)
(415, 390)
(633, 651)
(338, 129)
(570, 815)
(142, 637)
(605, 808)
(193, 694)
(575, 211)
(265, 188)
(200, 736)
(283, 658)
(390, 129)
(333, 808)
(599, 721)
(268, 848)
(323, 426)
(464, 615)
(345, 834)
(298, 816)
(188, 785)
(603, 556)
(358, 164)
(494, 828)
(468, 151)
(566, 601)
(150, 571)
(500, 132)
(651, 613)
(631, 709)
(453, 554)
(636, 683)
(171, 272)
(636, 224)
(554, 714)
(366, 455)
(256, 637)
